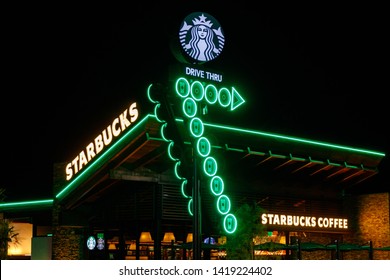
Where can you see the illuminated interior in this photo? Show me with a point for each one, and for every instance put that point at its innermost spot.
(25, 233)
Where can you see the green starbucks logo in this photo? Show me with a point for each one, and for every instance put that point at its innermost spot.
(201, 37)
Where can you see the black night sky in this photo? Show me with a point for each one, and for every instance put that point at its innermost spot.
(310, 72)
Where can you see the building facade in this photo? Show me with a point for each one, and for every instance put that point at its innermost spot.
(304, 188)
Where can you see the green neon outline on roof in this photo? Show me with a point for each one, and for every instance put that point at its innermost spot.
(271, 135)
(27, 203)
(72, 184)
(99, 160)
(296, 139)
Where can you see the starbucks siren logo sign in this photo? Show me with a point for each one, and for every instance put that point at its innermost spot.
(201, 37)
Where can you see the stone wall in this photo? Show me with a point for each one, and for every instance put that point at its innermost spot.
(67, 244)
(370, 221)
(67, 241)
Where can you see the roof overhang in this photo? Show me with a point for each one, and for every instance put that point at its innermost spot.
(141, 154)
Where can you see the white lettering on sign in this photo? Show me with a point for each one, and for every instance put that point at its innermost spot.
(194, 72)
(303, 221)
(214, 77)
(104, 139)
(203, 74)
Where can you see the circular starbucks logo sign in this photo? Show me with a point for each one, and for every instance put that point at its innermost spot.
(201, 37)
(91, 243)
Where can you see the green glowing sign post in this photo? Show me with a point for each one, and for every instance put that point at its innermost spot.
(192, 94)
(201, 38)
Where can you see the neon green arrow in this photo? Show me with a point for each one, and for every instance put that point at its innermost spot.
(237, 99)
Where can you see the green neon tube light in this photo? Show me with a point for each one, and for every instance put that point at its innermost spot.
(42, 202)
(72, 184)
(290, 138)
(296, 139)
(100, 160)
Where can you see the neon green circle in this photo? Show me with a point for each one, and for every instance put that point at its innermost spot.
(197, 91)
(230, 223)
(203, 147)
(182, 87)
(162, 129)
(189, 107)
(217, 185)
(183, 185)
(196, 127)
(224, 97)
(170, 153)
(177, 166)
(211, 94)
(210, 166)
(223, 204)
(189, 207)
(156, 113)
(148, 92)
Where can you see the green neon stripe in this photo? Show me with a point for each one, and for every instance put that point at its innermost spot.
(350, 166)
(255, 152)
(333, 163)
(316, 161)
(301, 140)
(289, 138)
(101, 159)
(43, 202)
(276, 155)
(233, 149)
(278, 136)
(297, 158)
(73, 184)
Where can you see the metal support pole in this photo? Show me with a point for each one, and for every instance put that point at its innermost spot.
(137, 249)
(299, 249)
(370, 251)
(337, 250)
(197, 214)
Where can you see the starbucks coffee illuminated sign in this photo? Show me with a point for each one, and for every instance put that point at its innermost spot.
(104, 139)
(304, 221)
(201, 37)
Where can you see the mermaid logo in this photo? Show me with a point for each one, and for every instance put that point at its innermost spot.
(201, 37)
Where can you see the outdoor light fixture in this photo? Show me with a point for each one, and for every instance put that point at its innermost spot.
(168, 237)
(189, 237)
(145, 237)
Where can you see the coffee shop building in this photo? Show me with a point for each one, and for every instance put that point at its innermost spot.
(122, 196)
(164, 179)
